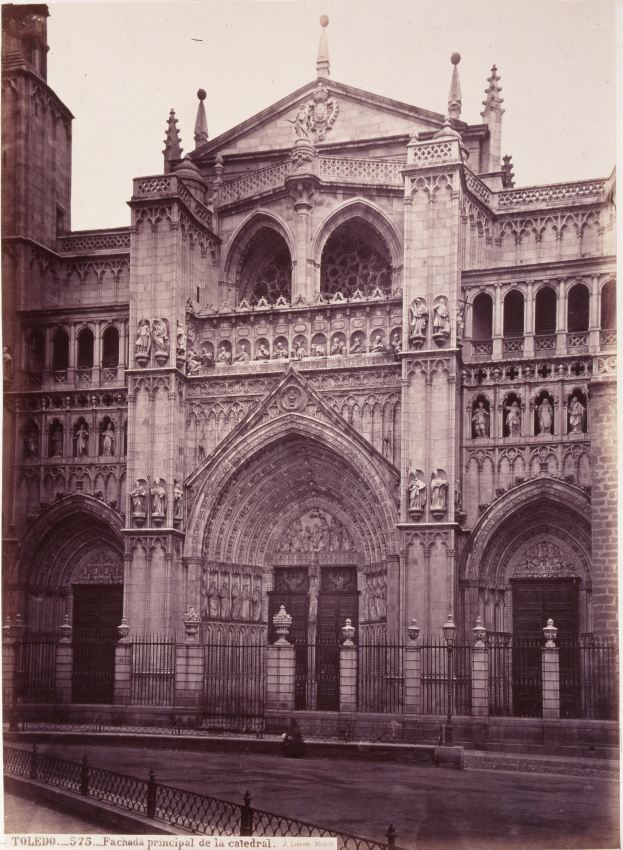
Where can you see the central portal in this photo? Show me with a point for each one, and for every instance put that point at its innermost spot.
(320, 597)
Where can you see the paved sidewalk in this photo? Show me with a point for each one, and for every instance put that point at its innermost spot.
(431, 808)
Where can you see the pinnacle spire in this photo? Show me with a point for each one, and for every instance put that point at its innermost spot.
(172, 147)
(201, 122)
(323, 68)
(454, 95)
(493, 101)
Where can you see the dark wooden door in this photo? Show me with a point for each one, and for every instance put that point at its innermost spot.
(535, 601)
(96, 614)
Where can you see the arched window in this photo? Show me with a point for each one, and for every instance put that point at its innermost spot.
(60, 351)
(110, 348)
(355, 257)
(545, 311)
(608, 306)
(36, 351)
(514, 313)
(482, 321)
(85, 349)
(577, 309)
(266, 269)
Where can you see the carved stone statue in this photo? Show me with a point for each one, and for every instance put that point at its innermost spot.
(438, 492)
(480, 420)
(460, 323)
(57, 441)
(396, 343)
(245, 602)
(256, 604)
(357, 346)
(377, 343)
(337, 346)
(192, 362)
(180, 349)
(545, 416)
(301, 125)
(158, 499)
(576, 416)
(7, 364)
(262, 352)
(513, 418)
(82, 441)
(280, 352)
(417, 493)
(441, 319)
(244, 356)
(142, 346)
(313, 600)
(177, 501)
(108, 440)
(213, 601)
(31, 448)
(299, 350)
(224, 355)
(236, 601)
(418, 318)
(224, 604)
(160, 337)
(138, 494)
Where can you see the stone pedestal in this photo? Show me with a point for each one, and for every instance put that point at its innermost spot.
(413, 680)
(551, 682)
(188, 674)
(480, 682)
(280, 669)
(348, 677)
(123, 672)
(64, 668)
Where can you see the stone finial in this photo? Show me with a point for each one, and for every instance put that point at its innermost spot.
(282, 621)
(493, 101)
(348, 631)
(65, 629)
(192, 621)
(172, 143)
(549, 633)
(201, 122)
(479, 633)
(454, 95)
(323, 68)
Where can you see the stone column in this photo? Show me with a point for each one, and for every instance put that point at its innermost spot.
(528, 349)
(480, 673)
(594, 319)
(550, 674)
(498, 324)
(64, 664)
(302, 190)
(413, 679)
(280, 667)
(561, 318)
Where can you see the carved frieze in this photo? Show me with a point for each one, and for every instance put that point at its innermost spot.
(231, 593)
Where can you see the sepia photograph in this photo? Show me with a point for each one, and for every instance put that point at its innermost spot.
(309, 476)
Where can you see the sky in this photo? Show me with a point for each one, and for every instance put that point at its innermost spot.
(120, 67)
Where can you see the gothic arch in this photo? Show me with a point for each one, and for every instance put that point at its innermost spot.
(373, 215)
(243, 235)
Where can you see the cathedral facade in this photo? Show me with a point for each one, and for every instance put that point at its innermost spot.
(336, 361)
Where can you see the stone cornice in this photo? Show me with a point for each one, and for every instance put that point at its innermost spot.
(546, 269)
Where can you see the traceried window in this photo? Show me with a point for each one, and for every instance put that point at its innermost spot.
(355, 257)
(266, 269)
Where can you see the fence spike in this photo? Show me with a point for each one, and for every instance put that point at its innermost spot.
(391, 836)
(247, 797)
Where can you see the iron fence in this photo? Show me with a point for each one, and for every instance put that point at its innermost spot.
(317, 676)
(589, 680)
(234, 683)
(153, 672)
(93, 674)
(436, 683)
(35, 669)
(380, 678)
(198, 813)
(500, 674)
(527, 677)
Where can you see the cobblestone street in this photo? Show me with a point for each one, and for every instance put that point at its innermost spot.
(431, 808)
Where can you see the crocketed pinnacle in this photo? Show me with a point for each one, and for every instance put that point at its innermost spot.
(454, 95)
(323, 68)
(201, 122)
(172, 147)
(493, 101)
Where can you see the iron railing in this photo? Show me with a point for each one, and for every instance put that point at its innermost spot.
(93, 674)
(198, 813)
(35, 669)
(234, 683)
(380, 678)
(589, 678)
(435, 685)
(317, 675)
(500, 674)
(153, 672)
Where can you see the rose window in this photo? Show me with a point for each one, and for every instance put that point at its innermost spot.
(355, 257)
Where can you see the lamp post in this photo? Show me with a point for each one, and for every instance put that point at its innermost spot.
(449, 633)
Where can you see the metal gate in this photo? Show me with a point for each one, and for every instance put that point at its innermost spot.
(380, 677)
(234, 681)
(93, 677)
(153, 672)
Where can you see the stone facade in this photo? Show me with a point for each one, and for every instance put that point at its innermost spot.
(336, 340)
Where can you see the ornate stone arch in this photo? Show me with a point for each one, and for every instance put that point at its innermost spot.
(538, 529)
(373, 215)
(235, 252)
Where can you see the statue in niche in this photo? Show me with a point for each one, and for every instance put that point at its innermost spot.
(108, 440)
(236, 601)
(387, 445)
(142, 345)
(577, 412)
(7, 364)
(545, 416)
(262, 352)
(480, 420)
(224, 606)
(245, 602)
(31, 448)
(357, 346)
(138, 495)
(460, 323)
(158, 498)
(82, 440)
(396, 343)
(177, 501)
(244, 356)
(458, 496)
(438, 492)
(180, 346)
(57, 441)
(418, 319)
(417, 493)
(213, 601)
(441, 319)
(224, 355)
(513, 418)
(256, 603)
(160, 337)
(337, 346)
(192, 362)
(299, 350)
(280, 352)
(205, 358)
(301, 125)
(377, 343)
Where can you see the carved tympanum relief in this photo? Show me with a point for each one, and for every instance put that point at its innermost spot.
(315, 531)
